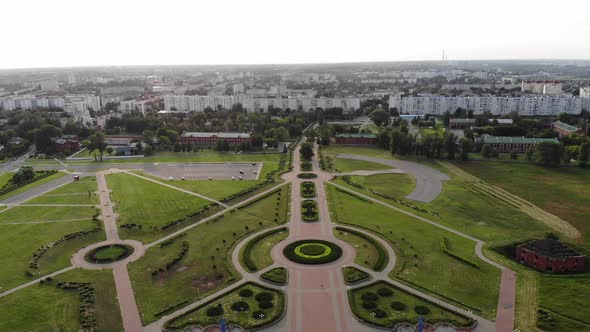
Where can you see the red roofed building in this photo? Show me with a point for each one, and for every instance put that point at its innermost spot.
(356, 139)
(210, 139)
(550, 256)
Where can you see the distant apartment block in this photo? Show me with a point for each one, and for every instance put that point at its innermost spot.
(49, 85)
(528, 106)
(210, 139)
(183, 103)
(139, 105)
(542, 87)
(585, 92)
(76, 105)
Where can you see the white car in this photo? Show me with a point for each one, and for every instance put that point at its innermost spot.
(241, 171)
(210, 178)
(233, 177)
(241, 178)
(170, 178)
(182, 178)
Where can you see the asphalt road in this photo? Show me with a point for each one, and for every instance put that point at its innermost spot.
(428, 180)
(39, 190)
(190, 171)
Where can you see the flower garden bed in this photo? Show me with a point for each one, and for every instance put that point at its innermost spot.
(109, 253)
(307, 175)
(309, 210)
(312, 252)
(308, 189)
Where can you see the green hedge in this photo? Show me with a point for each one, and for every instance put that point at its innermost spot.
(309, 210)
(383, 256)
(307, 175)
(307, 189)
(335, 254)
(9, 186)
(246, 254)
(306, 166)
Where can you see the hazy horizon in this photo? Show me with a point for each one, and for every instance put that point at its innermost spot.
(65, 33)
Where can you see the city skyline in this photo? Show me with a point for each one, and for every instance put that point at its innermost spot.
(183, 33)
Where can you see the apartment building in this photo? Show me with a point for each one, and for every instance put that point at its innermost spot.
(542, 87)
(183, 103)
(529, 106)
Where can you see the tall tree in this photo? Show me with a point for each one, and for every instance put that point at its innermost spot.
(306, 151)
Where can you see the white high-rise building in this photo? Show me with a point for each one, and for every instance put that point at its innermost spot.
(529, 106)
(542, 87)
(49, 85)
(585, 92)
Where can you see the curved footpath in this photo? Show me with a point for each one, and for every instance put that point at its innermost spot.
(428, 180)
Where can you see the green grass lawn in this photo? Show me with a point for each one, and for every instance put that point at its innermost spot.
(563, 191)
(206, 268)
(349, 165)
(395, 185)
(421, 260)
(566, 296)
(408, 314)
(333, 150)
(18, 242)
(152, 205)
(243, 319)
(366, 253)
(196, 157)
(5, 177)
(43, 307)
(25, 213)
(76, 192)
(458, 207)
(32, 185)
(260, 252)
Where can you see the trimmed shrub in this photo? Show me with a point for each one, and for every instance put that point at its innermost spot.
(263, 297)
(334, 254)
(369, 305)
(378, 313)
(215, 311)
(385, 292)
(421, 310)
(259, 314)
(246, 292)
(307, 175)
(369, 296)
(240, 306)
(398, 306)
(265, 305)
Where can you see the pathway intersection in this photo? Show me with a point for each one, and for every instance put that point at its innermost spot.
(316, 296)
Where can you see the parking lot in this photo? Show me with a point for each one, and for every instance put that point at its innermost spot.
(203, 171)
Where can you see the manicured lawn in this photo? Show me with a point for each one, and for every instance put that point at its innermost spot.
(352, 275)
(566, 296)
(260, 251)
(459, 207)
(207, 156)
(25, 213)
(244, 318)
(333, 150)
(278, 275)
(395, 185)
(406, 312)
(563, 191)
(205, 268)
(76, 192)
(143, 202)
(421, 260)
(43, 307)
(32, 185)
(366, 253)
(18, 242)
(349, 165)
(5, 177)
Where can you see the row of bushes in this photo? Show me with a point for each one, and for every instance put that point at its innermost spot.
(246, 254)
(174, 261)
(383, 256)
(307, 175)
(170, 309)
(9, 186)
(38, 254)
(309, 210)
(444, 247)
(87, 303)
(348, 181)
(308, 189)
(190, 216)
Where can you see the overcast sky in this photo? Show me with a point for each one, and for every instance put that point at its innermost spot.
(43, 33)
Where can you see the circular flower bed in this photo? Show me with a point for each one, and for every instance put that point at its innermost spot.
(312, 252)
(307, 175)
(109, 253)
